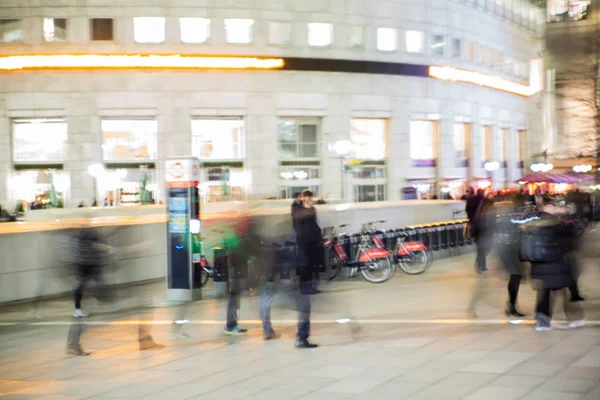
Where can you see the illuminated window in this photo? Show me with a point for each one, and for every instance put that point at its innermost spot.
(239, 31)
(129, 139)
(460, 141)
(368, 137)
(298, 138)
(481, 50)
(456, 48)
(218, 139)
(422, 140)
(522, 156)
(491, 55)
(488, 143)
(414, 42)
(290, 192)
(194, 30)
(11, 30)
(470, 51)
(298, 173)
(149, 29)
(39, 140)
(280, 33)
(500, 61)
(101, 29)
(387, 39)
(505, 144)
(55, 29)
(320, 34)
(356, 36)
(438, 44)
(508, 67)
(40, 188)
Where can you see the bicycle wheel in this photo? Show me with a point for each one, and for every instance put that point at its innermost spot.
(416, 262)
(378, 270)
(334, 265)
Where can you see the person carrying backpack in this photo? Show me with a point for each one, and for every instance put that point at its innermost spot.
(545, 242)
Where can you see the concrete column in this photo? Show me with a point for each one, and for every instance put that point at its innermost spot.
(398, 154)
(333, 129)
(5, 154)
(261, 161)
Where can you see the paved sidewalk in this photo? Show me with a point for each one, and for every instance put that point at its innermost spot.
(408, 339)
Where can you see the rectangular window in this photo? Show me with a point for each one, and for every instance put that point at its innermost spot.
(356, 36)
(460, 141)
(194, 30)
(422, 140)
(508, 65)
(290, 192)
(481, 50)
(414, 42)
(11, 30)
(369, 193)
(320, 34)
(298, 138)
(55, 29)
(239, 31)
(39, 140)
(387, 39)
(500, 61)
(522, 156)
(280, 33)
(218, 139)
(362, 172)
(488, 143)
(456, 48)
(298, 173)
(470, 51)
(505, 144)
(102, 29)
(40, 188)
(438, 44)
(149, 29)
(368, 137)
(491, 56)
(129, 139)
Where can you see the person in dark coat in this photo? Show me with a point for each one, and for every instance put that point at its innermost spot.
(555, 274)
(482, 230)
(310, 253)
(507, 249)
(473, 201)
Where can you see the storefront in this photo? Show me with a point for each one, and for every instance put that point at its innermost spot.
(129, 153)
(368, 170)
(219, 144)
(39, 149)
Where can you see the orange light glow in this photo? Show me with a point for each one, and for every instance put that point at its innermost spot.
(98, 61)
(493, 82)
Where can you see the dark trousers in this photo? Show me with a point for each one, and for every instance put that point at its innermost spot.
(543, 316)
(233, 309)
(484, 246)
(304, 310)
(513, 288)
(267, 296)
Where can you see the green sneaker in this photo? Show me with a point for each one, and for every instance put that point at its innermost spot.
(235, 331)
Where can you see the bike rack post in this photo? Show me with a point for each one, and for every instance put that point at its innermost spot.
(221, 270)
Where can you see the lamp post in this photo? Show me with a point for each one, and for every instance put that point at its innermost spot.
(96, 170)
(342, 148)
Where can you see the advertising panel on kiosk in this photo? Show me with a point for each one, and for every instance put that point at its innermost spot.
(183, 229)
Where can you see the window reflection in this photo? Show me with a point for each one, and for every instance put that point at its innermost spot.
(149, 29)
(298, 138)
(11, 30)
(55, 29)
(194, 30)
(39, 140)
(368, 137)
(422, 140)
(218, 139)
(320, 34)
(239, 30)
(129, 140)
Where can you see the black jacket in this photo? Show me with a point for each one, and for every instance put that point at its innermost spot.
(554, 274)
(472, 206)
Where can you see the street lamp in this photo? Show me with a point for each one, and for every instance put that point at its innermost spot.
(342, 148)
(96, 170)
(542, 167)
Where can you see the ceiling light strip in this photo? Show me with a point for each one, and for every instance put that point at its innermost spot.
(98, 61)
(493, 82)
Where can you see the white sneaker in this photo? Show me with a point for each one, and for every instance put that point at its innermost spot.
(80, 313)
(577, 324)
(543, 328)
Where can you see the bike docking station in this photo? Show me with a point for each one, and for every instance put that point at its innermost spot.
(183, 229)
